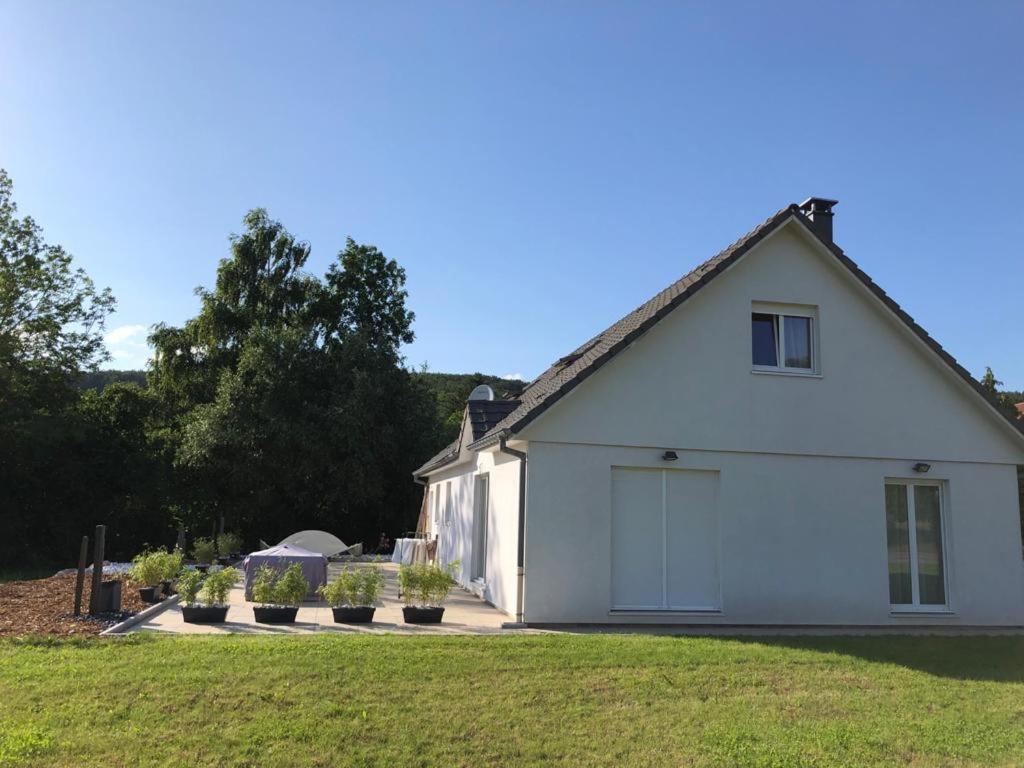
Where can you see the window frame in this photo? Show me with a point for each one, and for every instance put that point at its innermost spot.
(917, 607)
(780, 311)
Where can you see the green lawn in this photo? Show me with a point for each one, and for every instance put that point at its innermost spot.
(540, 700)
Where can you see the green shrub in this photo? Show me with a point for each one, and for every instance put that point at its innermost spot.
(204, 550)
(271, 586)
(371, 585)
(188, 585)
(263, 585)
(427, 585)
(147, 568)
(217, 586)
(291, 586)
(228, 543)
(170, 564)
(354, 587)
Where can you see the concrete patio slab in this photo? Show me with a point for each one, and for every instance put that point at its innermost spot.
(464, 614)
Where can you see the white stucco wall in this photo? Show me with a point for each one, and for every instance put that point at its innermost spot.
(688, 382)
(803, 539)
(455, 541)
(802, 459)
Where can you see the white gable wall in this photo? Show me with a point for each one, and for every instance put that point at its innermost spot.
(688, 382)
(802, 462)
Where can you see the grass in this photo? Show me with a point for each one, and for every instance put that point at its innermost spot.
(493, 701)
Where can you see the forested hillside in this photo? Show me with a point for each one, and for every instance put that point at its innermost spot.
(450, 390)
(97, 380)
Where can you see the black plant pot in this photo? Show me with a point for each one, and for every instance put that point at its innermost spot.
(110, 597)
(203, 567)
(150, 595)
(167, 587)
(417, 615)
(204, 614)
(362, 614)
(267, 615)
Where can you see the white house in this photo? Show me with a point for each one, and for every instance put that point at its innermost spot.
(770, 440)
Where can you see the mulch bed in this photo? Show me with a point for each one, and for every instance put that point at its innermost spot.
(46, 607)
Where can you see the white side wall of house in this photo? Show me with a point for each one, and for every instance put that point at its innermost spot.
(802, 460)
(802, 539)
(455, 531)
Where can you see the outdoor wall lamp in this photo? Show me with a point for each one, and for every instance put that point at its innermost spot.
(922, 467)
(669, 456)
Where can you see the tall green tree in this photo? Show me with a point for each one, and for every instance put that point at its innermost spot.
(51, 316)
(60, 470)
(291, 404)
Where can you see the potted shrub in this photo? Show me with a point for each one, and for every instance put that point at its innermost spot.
(204, 552)
(229, 546)
(424, 589)
(148, 569)
(354, 594)
(170, 567)
(277, 594)
(207, 604)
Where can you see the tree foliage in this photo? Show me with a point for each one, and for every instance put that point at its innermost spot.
(51, 317)
(282, 404)
(291, 406)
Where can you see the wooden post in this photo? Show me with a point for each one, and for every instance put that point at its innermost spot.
(83, 553)
(97, 569)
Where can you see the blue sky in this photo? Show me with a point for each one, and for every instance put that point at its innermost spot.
(539, 169)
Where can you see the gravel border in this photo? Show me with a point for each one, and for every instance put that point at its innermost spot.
(141, 616)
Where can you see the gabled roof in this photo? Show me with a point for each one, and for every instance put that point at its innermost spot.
(569, 371)
(482, 416)
(446, 455)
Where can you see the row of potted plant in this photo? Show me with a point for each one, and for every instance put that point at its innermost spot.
(277, 593)
(354, 595)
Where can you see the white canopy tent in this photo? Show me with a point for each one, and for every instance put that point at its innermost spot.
(322, 542)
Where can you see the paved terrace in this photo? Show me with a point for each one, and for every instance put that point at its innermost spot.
(464, 613)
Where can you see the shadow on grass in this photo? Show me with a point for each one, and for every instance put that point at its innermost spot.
(996, 659)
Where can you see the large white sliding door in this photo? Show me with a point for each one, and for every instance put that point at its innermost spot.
(664, 540)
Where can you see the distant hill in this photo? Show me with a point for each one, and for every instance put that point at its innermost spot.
(99, 379)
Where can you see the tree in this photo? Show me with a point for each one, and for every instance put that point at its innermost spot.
(291, 406)
(51, 316)
(989, 382)
(51, 330)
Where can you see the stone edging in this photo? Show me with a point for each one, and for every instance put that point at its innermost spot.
(141, 616)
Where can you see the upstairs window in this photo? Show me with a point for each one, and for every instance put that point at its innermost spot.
(783, 339)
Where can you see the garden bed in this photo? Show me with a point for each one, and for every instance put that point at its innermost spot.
(46, 607)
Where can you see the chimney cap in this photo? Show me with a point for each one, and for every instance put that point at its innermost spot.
(818, 205)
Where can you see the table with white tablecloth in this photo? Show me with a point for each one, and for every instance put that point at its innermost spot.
(410, 551)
